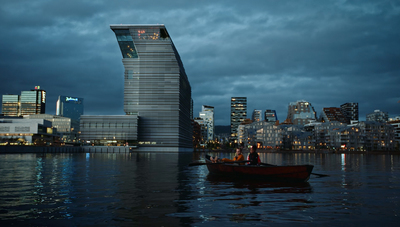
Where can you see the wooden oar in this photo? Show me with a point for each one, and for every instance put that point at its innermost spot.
(320, 175)
(216, 163)
(317, 174)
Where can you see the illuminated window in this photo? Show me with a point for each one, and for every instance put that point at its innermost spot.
(126, 45)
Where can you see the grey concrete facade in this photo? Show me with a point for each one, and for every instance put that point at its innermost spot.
(156, 87)
(109, 130)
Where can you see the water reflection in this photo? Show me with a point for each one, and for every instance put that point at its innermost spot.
(149, 189)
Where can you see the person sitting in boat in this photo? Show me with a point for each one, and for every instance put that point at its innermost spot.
(238, 157)
(253, 157)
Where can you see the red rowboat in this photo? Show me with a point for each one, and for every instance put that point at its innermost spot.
(265, 172)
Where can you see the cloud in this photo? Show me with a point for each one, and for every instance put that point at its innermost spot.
(273, 53)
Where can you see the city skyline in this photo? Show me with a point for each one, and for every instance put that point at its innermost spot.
(273, 53)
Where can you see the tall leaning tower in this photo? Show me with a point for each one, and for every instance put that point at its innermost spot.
(156, 87)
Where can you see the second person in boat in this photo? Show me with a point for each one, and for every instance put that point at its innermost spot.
(253, 157)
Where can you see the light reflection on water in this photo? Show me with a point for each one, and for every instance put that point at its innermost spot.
(161, 190)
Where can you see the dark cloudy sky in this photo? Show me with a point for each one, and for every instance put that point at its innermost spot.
(272, 52)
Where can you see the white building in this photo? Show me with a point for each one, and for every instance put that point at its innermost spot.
(207, 114)
(301, 112)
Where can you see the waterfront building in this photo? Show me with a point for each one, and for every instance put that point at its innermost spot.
(270, 116)
(378, 136)
(251, 133)
(28, 103)
(346, 138)
(301, 112)
(33, 102)
(395, 122)
(378, 116)
(23, 131)
(350, 111)
(256, 116)
(207, 114)
(238, 115)
(10, 105)
(359, 136)
(196, 134)
(65, 126)
(332, 114)
(272, 135)
(156, 87)
(111, 130)
(203, 130)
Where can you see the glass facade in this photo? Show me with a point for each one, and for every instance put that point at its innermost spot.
(109, 130)
(125, 42)
(71, 107)
(10, 105)
(32, 102)
(28, 103)
(156, 86)
(238, 115)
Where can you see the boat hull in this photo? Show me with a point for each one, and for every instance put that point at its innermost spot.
(294, 173)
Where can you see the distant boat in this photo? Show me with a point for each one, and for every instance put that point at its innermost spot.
(264, 172)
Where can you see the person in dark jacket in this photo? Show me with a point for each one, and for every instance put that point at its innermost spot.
(253, 157)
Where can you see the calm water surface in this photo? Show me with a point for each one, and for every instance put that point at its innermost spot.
(149, 189)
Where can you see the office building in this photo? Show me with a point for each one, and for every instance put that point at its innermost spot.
(238, 115)
(270, 116)
(256, 116)
(207, 114)
(156, 87)
(378, 116)
(28, 103)
(350, 111)
(33, 102)
(71, 107)
(10, 105)
(301, 112)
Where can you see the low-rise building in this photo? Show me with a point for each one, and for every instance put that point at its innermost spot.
(110, 130)
(66, 127)
(22, 131)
